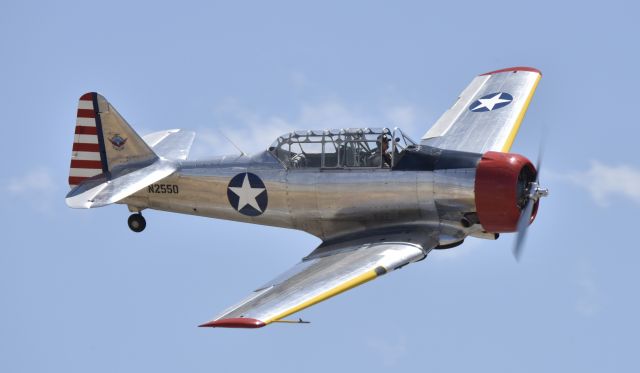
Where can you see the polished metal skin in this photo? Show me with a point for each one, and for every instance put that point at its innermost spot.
(377, 199)
(321, 275)
(324, 202)
(372, 220)
(478, 111)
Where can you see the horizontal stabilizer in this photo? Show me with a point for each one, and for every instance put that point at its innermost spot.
(100, 192)
(171, 144)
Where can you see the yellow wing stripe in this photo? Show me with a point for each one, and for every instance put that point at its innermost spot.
(516, 126)
(358, 280)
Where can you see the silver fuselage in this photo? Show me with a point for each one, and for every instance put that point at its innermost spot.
(326, 203)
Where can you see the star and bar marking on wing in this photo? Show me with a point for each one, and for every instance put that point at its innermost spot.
(247, 194)
(491, 102)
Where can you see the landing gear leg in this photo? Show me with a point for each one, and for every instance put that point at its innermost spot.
(136, 222)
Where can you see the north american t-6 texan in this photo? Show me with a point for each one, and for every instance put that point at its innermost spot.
(377, 199)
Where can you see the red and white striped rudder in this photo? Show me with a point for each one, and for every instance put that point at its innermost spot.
(86, 159)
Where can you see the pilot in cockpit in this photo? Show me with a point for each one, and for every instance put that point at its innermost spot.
(383, 149)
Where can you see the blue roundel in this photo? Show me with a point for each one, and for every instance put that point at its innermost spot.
(247, 194)
(491, 102)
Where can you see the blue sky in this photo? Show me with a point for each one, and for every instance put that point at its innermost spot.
(80, 292)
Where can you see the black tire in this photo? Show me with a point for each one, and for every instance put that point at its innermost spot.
(137, 223)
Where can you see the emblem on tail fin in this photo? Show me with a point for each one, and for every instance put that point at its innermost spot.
(117, 141)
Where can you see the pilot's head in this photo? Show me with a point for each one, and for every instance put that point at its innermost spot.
(383, 142)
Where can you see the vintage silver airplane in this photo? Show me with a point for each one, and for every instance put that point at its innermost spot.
(376, 198)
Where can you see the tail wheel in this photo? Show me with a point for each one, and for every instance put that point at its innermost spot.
(136, 222)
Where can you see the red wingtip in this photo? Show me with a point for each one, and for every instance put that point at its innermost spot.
(87, 96)
(240, 322)
(514, 69)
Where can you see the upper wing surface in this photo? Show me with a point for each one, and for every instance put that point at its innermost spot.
(324, 273)
(488, 113)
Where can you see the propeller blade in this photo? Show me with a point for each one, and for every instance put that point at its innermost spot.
(535, 192)
(541, 149)
(523, 224)
(538, 165)
(527, 211)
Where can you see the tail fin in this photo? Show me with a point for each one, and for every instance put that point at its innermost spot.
(104, 143)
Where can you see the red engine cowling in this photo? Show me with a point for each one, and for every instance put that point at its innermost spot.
(500, 190)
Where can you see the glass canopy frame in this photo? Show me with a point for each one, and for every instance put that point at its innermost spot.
(341, 148)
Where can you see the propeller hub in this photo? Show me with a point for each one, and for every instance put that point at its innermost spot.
(536, 191)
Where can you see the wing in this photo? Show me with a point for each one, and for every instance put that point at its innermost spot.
(488, 113)
(328, 271)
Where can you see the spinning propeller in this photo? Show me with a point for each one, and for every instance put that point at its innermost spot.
(531, 194)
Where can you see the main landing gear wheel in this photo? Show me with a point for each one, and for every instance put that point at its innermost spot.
(136, 222)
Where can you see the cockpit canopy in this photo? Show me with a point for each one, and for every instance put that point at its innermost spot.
(341, 148)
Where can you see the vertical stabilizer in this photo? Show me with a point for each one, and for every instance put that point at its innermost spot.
(104, 143)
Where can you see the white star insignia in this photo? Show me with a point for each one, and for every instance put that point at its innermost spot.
(247, 194)
(489, 103)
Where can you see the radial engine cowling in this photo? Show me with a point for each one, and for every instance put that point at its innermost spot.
(500, 190)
